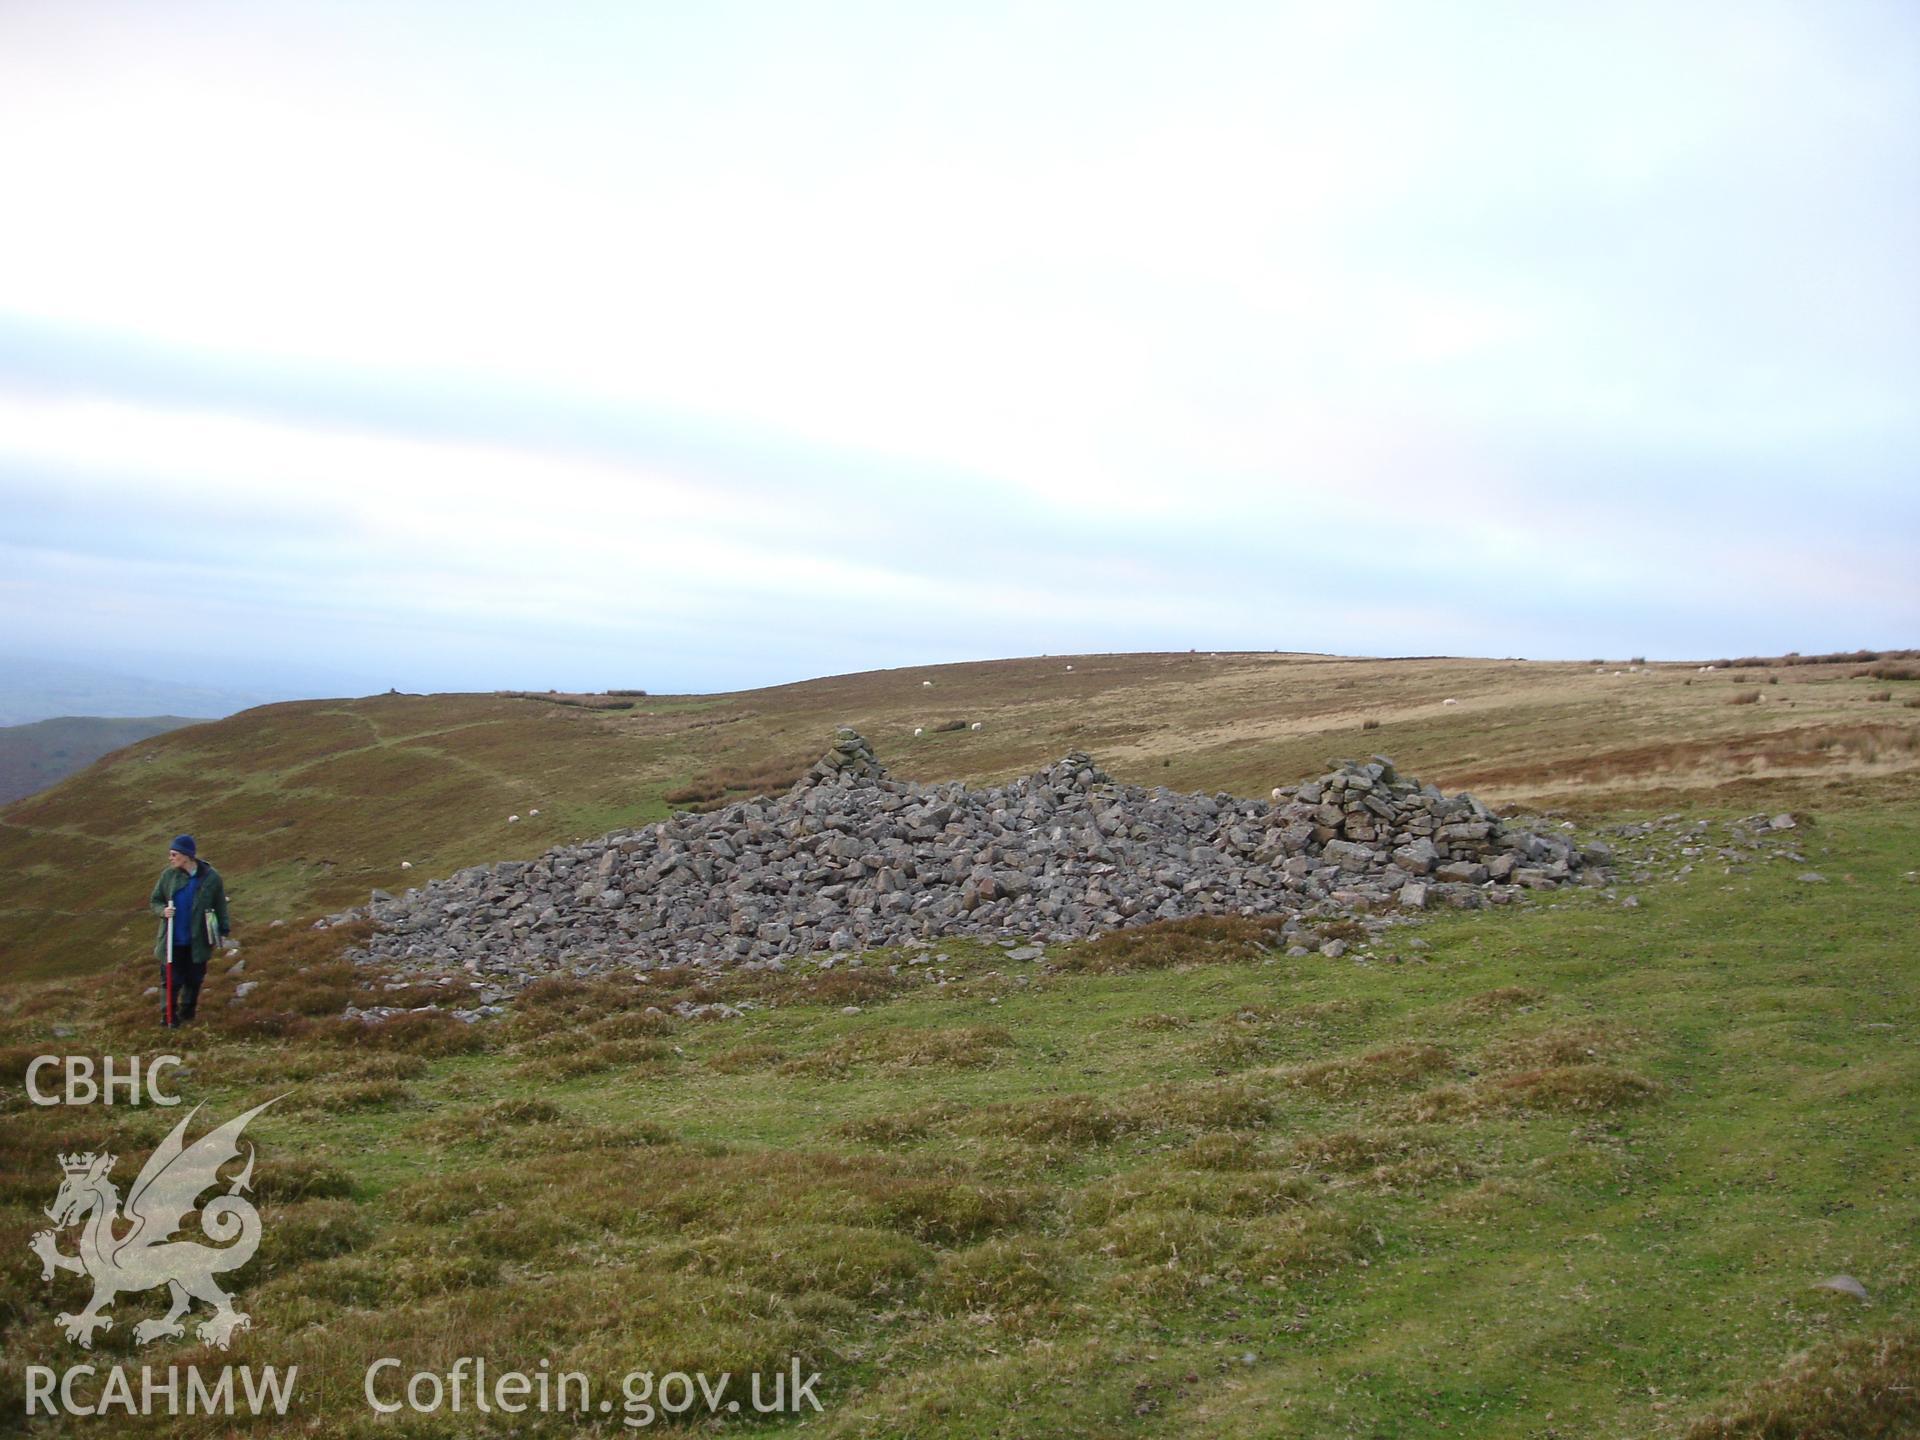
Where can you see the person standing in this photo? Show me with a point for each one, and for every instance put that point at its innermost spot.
(191, 900)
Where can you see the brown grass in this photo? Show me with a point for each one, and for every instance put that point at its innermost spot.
(1223, 1150)
(1561, 1046)
(897, 1127)
(845, 1260)
(338, 1098)
(1162, 944)
(1313, 1242)
(1055, 1120)
(554, 1140)
(1347, 1152)
(756, 1055)
(1574, 1087)
(724, 786)
(1861, 1388)
(1254, 1031)
(1836, 657)
(569, 1062)
(1391, 1065)
(1229, 1105)
(484, 1121)
(296, 1177)
(998, 1274)
(1238, 1195)
(430, 1033)
(905, 1048)
(946, 1211)
(1502, 1001)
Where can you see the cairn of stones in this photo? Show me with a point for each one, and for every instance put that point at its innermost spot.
(851, 858)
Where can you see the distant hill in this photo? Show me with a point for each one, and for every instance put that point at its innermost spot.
(47, 689)
(305, 806)
(34, 756)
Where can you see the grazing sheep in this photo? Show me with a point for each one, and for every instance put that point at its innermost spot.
(532, 813)
(513, 819)
(974, 726)
(926, 684)
(918, 731)
(1449, 702)
(406, 864)
(1069, 669)
(1277, 793)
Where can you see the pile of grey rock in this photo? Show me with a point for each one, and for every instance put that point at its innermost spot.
(851, 858)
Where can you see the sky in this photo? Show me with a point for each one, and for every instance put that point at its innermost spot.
(589, 345)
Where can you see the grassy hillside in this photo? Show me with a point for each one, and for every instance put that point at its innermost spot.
(308, 806)
(34, 756)
(1569, 1169)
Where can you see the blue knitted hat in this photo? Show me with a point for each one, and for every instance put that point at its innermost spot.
(184, 844)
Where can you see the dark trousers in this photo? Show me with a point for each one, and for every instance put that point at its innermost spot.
(184, 977)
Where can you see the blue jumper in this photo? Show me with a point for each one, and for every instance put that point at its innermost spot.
(183, 909)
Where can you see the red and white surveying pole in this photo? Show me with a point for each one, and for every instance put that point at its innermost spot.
(166, 949)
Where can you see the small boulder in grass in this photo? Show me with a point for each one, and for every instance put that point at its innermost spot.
(1845, 1285)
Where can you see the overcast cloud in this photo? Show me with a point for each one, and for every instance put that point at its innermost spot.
(462, 346)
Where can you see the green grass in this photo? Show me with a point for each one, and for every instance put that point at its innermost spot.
(1571, 1169)
(306, 807)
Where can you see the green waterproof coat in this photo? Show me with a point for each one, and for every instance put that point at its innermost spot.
(209, 918)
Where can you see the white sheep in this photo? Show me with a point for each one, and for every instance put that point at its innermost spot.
(1449, 702)
(926, 684)
(1277, 793)
(1069, 669)
(406, 864)
(974, 726)
(513, 819)
(532, 813)
(918, 731)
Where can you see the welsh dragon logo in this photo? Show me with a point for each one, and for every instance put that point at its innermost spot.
(134, 1249)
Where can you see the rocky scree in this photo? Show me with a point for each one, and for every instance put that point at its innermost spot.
(851, 858)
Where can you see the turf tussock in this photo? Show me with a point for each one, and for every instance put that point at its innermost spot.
(1561, 1046)
(1863, 1388)
(1347, 1152)
(905, 1048)
(1502, 1000)
(854, 1262)
(1163, 944)
(1389, 1066)
(1574, 1087)
(999, 1274)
